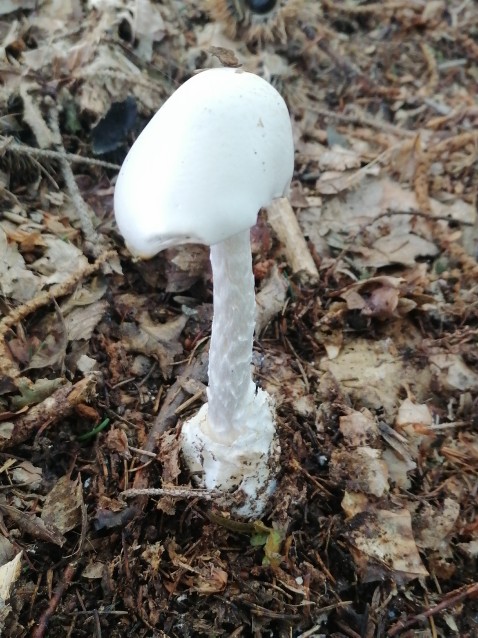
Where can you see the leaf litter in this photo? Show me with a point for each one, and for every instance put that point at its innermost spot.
(370, 352)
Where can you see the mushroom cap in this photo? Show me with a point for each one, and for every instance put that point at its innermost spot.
(219, 149)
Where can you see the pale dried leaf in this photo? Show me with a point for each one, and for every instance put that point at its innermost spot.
(34, 118)
(393, 238)
(94, 570)
(285, 385)
(81, 322)
(360, 470)
(369, 371)
(452, 372)
(339, 158)
(383, 546)
(434, 524)
(152, 555)
(398, 469)
(86, 295)
(399, 456)
(148, 21)
(359, 428)
(60, 261)
(16, 281)
(27, 473)
(399, 248)
(86, 364)
(51, 350)
(213, 580)
(410, 412)
(470, 549)
(9, 573)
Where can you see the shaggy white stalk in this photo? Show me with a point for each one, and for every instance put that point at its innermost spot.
(231, 443)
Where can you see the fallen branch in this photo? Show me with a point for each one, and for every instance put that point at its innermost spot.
(60, 589)
(284, 222)
(92, 239)
(451, 599)
(31, 151)
(54, 408)
(175, 492)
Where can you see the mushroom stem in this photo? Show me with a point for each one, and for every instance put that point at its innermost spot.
(231, 443)
(231, 389)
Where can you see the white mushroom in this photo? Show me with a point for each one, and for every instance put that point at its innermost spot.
(218, 150)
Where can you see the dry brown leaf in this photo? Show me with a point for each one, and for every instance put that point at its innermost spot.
(412, 413)
(27, 473)
(16, 281)
(184, 266)
(81, 322)
(7, 550)
(375, 297)
(152, 555)
(63, 505)
(60, 261)
(360, 470)
(285, 385)
(9, 6)
(434, 525)
(169, 453)
(158, 340)
(117, 441)
(94, 570)
(394, 238)
(33, 525)
(270, 299)
(213, 580)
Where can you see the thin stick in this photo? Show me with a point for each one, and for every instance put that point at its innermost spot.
(84, 216)
(68, 574)
(449, 601)
(175, 492)
(24, 149)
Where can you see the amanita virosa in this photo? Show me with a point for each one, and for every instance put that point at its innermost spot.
(218, 150)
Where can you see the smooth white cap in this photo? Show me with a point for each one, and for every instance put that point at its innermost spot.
(218, 150)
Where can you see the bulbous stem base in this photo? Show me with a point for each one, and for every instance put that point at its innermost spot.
(248, 466)
(231, 444)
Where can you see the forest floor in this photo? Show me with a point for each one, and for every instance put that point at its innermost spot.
(367, 329)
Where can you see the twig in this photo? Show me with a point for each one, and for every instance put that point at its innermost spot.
(92, 238)
(284, 222)
(23, 149)
(363, 121)
(451, 599)
(60, 589)
(175, 492)
(51, 410)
